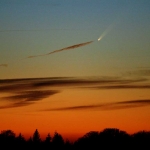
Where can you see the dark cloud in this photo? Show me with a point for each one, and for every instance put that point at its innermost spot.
(140, 72)
(31, 95)
(27, 91)
(108, 106)
(66, 48)
(145, 72)
(124, 87)
(81, 107)
(22, 92)
(85, 81)
(21, 30)
(65, 82)
(71, 47)
(3, 65)
(128, 104)
(143, 101)
(18, 104)
(42, 30)
(27, 97)
(13, 85)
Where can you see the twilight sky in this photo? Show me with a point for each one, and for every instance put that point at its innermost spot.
(35, 27)
(55, 44)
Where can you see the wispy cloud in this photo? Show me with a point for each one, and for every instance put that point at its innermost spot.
(3, 65)
(139, 72)
(40, 30)
(14, 85)
(66, 48)
(17, 104)
(21, 30)
(27, 97)
(100, 83)
(31, 95)
(123, 87)
(144, 72)
(24, 92)
(109, 106)
(71, 47)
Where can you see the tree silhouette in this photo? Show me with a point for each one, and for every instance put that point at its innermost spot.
(57, 141)
(36, 137)
(47, 142)
(89, 141)
(30, 140)
(8, 133)
(20, 138)
(7, 138)
(20, 142)
(114, 138)
(68, 145)
(37, 142)
(109, 138)
(141, 140)
(48, 139)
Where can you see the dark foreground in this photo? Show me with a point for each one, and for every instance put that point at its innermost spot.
(109, 138)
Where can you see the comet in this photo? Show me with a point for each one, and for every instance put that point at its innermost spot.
(106, 32)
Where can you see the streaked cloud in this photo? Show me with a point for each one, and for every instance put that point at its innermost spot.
(3, 65)
(144, 72)
(17, 104)
(108, 106)
(66, 48)
(124, 87)
(21, 30)
(16, 85)
(22, 92)
(27, 97)
(139, 72)
(31, 95)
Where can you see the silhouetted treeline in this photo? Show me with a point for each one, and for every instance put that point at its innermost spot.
(109, 138)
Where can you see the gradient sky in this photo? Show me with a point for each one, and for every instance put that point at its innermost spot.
(111, 74)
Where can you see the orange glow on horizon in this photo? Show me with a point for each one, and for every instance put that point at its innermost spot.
(72, 124)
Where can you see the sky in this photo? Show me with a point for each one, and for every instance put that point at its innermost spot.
(74, 66)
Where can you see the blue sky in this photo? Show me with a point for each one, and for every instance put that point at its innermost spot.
(35, 27)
